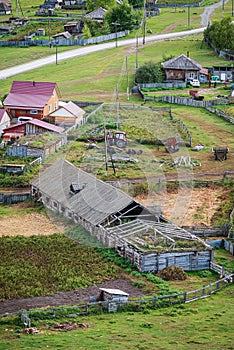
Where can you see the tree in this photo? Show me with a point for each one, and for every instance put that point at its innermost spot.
(86, 32)
(124, 15)
(221, 34)
(150, 72)
(95, 4)
(136, 3)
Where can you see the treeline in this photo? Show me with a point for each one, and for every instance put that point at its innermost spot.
(221, 34)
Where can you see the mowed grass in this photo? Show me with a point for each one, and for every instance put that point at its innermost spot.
(205, 324)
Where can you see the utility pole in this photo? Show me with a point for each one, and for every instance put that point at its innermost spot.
(56, 51)
(127, 77)
(144, 22)
(136, 50)
(116, 38)
(188, 16)
(106, 156)
(223, 9)
(117, 106)
(49, 28)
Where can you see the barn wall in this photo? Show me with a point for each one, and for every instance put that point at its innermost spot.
(151, 262)
(187, 260)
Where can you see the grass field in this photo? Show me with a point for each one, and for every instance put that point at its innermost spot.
(94, 77)
(205, 324)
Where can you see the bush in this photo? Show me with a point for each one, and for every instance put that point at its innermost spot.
(150, 72)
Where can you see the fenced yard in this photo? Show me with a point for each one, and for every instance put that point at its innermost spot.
(135, 305)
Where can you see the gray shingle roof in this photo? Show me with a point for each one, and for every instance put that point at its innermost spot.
(94, 203)
(182, 62)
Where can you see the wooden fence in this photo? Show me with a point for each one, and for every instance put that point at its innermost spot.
(151, 302)
(64, 42)
(186, 101)
(203, 231)
(221, 53)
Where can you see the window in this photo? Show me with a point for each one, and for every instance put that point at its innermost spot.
(49, 108)
(191, 75)
(34, 111)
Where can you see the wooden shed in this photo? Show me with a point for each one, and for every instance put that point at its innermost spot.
(147, 239)
(108, 294)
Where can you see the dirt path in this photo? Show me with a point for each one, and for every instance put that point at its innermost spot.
(67, 298)
(205, 16)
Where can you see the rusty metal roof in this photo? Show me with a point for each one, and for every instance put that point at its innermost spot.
(94, 202)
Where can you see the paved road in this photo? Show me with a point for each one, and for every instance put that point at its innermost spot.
(88, 50)
(110, 45)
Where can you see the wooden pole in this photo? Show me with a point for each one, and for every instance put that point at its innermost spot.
(127, 77)
(144, 22)
(117, 107)
(106, 156)
(136, 50)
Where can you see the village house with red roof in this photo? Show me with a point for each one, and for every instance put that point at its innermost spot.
(31, 99)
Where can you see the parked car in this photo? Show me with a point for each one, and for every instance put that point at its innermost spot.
(195, 83)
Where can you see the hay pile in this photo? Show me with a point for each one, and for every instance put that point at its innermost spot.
(171, 273)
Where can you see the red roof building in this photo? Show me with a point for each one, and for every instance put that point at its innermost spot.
(30, 127)
(32, 99)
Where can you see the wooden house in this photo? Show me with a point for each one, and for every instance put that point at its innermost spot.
(30, 127)
(32, 99)
(62, 35)
(66, 115)
(74, 28)
(4, 9)
(148, 240)
(5, 120)
(97, 15)
(181, 68)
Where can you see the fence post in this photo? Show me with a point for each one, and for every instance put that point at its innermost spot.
(203, 291)
(185, 297)
(210, 288)
(155, 300)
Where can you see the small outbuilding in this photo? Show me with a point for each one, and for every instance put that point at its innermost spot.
(67, 114)
(108, 294)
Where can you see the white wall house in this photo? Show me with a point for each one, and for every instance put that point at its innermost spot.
(5, 120)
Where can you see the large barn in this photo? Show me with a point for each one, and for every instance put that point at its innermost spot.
(148, 240)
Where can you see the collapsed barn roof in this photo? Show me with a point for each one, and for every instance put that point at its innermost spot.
(94, 200)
